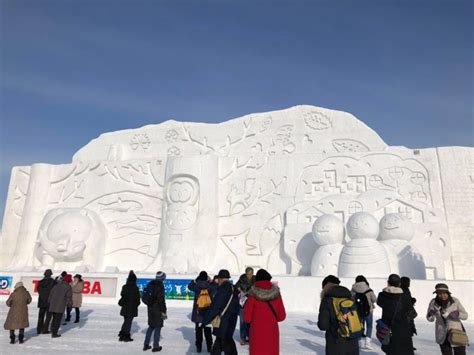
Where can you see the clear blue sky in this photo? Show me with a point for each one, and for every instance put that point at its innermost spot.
(71, 70)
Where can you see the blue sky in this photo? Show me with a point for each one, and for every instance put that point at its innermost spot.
(71, 70)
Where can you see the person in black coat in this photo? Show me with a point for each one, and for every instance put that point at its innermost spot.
(129, 302)
(226, 304)
(396, 306)
(405, 286)
(202, 282)
(327, 321)
(44, 288)
(156, 311)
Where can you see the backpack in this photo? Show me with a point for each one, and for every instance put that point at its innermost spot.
(349, 324)
(203, 301)
(362, 304)
(148, 296)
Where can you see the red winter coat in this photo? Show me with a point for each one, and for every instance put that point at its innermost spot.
(264, 333)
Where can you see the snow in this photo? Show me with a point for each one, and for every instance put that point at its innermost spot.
(97, 333)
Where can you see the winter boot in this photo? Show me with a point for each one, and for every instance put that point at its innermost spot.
(146, 347)
(21, 338)
(12, 339)
(367, 343)
(155, 350)
(127, 338)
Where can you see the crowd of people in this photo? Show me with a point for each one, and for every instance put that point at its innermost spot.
(56, 298)
(346, 316)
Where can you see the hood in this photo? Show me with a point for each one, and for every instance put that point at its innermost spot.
(336, 291)
(264, 291)
(360, 287)
(393, 289)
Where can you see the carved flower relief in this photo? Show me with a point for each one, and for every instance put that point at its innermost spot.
(171, 136)
(174, 151)
(140, 140)
(317, 120)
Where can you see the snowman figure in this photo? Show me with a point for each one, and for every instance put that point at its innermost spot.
(328, 233)
(396, 231)
(363, 255)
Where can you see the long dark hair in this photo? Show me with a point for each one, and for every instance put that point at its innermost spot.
(442, 303)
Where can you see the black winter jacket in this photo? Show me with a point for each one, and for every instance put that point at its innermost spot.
(335, 345)
(229, 319)
(158, 307)
(196, 287)
(44, 288)
(130, 299)
(396, 306)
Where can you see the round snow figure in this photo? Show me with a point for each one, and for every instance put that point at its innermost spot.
(363, 255)
(396, 226)
(362, 225)
(396, 231)
(328, 233)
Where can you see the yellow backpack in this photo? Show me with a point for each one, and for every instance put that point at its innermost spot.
(203, 301)
(349, 323)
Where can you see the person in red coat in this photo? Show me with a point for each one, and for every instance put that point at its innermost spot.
(263, 310)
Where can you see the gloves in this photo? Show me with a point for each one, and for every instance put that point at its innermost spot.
(432, 312)
(454, 315)
(164, 316)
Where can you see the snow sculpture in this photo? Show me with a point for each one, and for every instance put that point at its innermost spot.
(186, 196)
(396, 231)
(328, 233)
(363, 255)
(71, 237)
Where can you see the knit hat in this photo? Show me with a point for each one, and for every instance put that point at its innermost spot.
(64, 273)
(331, 279)
(223, 274)
(19, 284)
(48, 273)
(202, 276)
(78, 276)
(263, 275)
(441, 288)
(160, 275)
(67, 278)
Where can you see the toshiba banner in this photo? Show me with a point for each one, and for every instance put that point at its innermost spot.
(93, 287)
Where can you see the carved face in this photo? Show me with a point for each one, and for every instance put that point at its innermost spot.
(66, 236)
(362, 225)
(396, 226)
(328, 229)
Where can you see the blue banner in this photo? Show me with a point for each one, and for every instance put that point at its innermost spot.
(175, 289)
(6, 284)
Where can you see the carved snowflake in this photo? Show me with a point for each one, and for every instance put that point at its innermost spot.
(171, 136)
(317, 120)
(140, 140)
(174, 151)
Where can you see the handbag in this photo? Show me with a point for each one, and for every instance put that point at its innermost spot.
(457, 337)
(216, 322)
(383, 330)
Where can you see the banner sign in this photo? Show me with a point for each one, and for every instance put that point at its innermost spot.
(93, 287)
(175, 289)
(6, 284)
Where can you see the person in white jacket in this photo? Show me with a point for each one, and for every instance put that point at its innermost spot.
(448, 313)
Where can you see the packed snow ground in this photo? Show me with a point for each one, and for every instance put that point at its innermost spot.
(97, 333)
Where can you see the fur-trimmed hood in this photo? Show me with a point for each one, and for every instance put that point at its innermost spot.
(265, 294)
(392, 289)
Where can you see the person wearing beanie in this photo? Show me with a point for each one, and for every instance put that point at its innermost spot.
(129, 302)
(448, 313)
(77, 285)
(59, 299)
(45, 285)
(225, 304)
(263, 310)
(246, 281)
(17, 317)
(202, 288)
(397, 309)
(327, 321)
(154, 297)
(365, 300)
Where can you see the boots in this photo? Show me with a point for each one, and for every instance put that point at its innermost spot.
(127, 337)
(367, 344)
(12, 339)
(121, 335)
